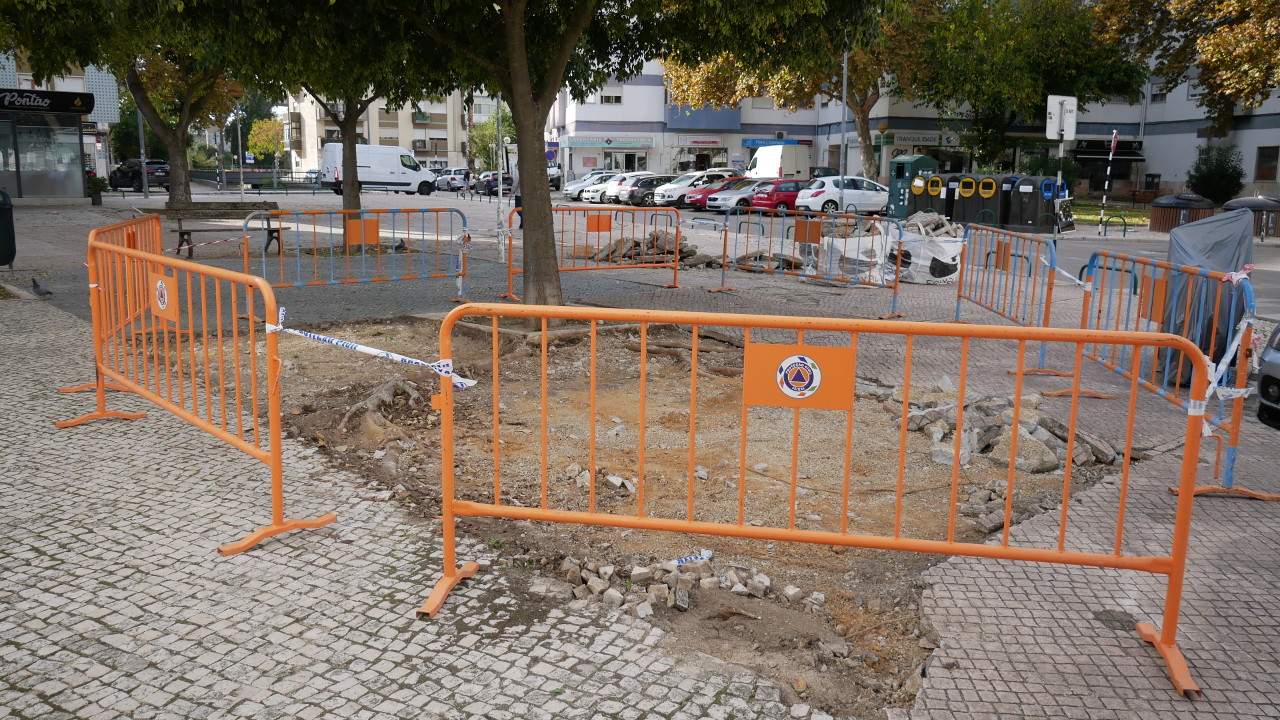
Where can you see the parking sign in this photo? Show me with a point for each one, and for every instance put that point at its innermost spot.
(1060, 115)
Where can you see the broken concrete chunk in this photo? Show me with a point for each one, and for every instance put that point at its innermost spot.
(612, 598)
(597, 585)
(681, 599)
(641, 575)
(739, 589)
(642, 610)
(791, 593)
(709, 583)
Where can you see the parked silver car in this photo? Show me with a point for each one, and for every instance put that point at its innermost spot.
(737, 194)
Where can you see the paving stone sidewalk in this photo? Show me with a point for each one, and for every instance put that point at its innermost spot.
(115, 604)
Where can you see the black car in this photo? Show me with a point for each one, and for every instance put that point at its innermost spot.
(129, 175)
(640, 192)
(491, 185)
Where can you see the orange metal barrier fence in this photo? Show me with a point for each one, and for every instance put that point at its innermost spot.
(1213, 310)
(167, 330)
(795, 396)
(1011, 274)
(607, 239)
(337, 247)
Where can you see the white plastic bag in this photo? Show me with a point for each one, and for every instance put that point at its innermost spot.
(926, 260)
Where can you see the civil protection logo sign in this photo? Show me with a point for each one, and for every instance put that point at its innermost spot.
(799, 376)
(164, 296)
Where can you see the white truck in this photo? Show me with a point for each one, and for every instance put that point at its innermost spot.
(378, 166)
(780, 161)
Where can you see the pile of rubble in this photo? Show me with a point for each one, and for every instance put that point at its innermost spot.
(639, 590)
(987, 432)
(931, 224)
(660, 246)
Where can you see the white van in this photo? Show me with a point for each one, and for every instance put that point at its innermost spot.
(379, 166)
(780, 161)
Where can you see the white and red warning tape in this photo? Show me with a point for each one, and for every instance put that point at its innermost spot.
(180, 248)
(444, 367)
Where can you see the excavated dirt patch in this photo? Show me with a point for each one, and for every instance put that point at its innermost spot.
(871, 596)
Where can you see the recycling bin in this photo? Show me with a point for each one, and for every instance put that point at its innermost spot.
(904, 171)
(964, 204)
(1266, 213)
(1031, 205)
(1170, 211)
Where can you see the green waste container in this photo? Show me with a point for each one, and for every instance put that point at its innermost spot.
(8, 241)
(904, 173)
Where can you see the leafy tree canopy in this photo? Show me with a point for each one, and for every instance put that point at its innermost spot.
(1217, 173)
(1228, 46)
(993, 63)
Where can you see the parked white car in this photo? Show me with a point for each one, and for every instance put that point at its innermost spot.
(594, 193)
(573, 190)
(672, 194)
(618, 182)
(737, 194)
(853, 194)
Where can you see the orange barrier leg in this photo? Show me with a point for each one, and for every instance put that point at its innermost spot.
(444, 586)
(1083, 393)
(98, 415)
(1179, 673)
(267, 531)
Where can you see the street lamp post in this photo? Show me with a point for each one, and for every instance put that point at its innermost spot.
(235, 91)
(883, 127)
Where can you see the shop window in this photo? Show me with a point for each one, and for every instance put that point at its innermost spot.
(1265, 169)
(50, 156)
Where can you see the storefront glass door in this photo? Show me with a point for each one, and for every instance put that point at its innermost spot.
(8, 158)
(50, 156)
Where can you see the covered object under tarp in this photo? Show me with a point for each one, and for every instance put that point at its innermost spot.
(1222, 243)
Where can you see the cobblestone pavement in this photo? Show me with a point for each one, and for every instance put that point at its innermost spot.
(115, 604)
(316, 623)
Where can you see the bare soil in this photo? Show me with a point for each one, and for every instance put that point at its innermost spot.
(871, 596)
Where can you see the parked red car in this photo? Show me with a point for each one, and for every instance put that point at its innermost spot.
(778, 195)
(697, 199)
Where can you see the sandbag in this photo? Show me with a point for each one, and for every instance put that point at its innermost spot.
(926, 260)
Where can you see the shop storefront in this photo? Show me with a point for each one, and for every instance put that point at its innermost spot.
(41, 153)
(623, 154)
(699, 152)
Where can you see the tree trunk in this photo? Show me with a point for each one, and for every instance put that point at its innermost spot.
(174, 139)
(541, 272)
(350, 175)
(862, 104)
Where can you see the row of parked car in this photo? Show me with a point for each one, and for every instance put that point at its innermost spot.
(485, 183)
(720, 189)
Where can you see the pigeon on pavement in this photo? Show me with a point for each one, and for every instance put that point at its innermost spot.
(39, 291)
(401, 246)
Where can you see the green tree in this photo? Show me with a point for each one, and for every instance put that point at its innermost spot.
(485, 140)
(170, 62)
(253, 106)
(266, 139)
(528, 52)
(793, 70)
(344, 53)
(990, 64)
(1230, 46)
(122, 138)
(1217, 173)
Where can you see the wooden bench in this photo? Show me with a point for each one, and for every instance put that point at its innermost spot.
(189, 214)
(1143, 196)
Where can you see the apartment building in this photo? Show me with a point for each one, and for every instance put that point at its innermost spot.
(51, 133)
(630, 126)
(434, 130)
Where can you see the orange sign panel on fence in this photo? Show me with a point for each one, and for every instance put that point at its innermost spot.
(362, 230)
(599, 223)
(164, 301)
(802, 376)
(808, 231)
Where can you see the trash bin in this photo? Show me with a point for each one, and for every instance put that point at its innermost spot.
(930, 198)
(991, 203)
(964, 206)
(1170, 211)
(1266, 213)
(8, 241)
(950, 191)
(903, 173)
(1031, 205)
